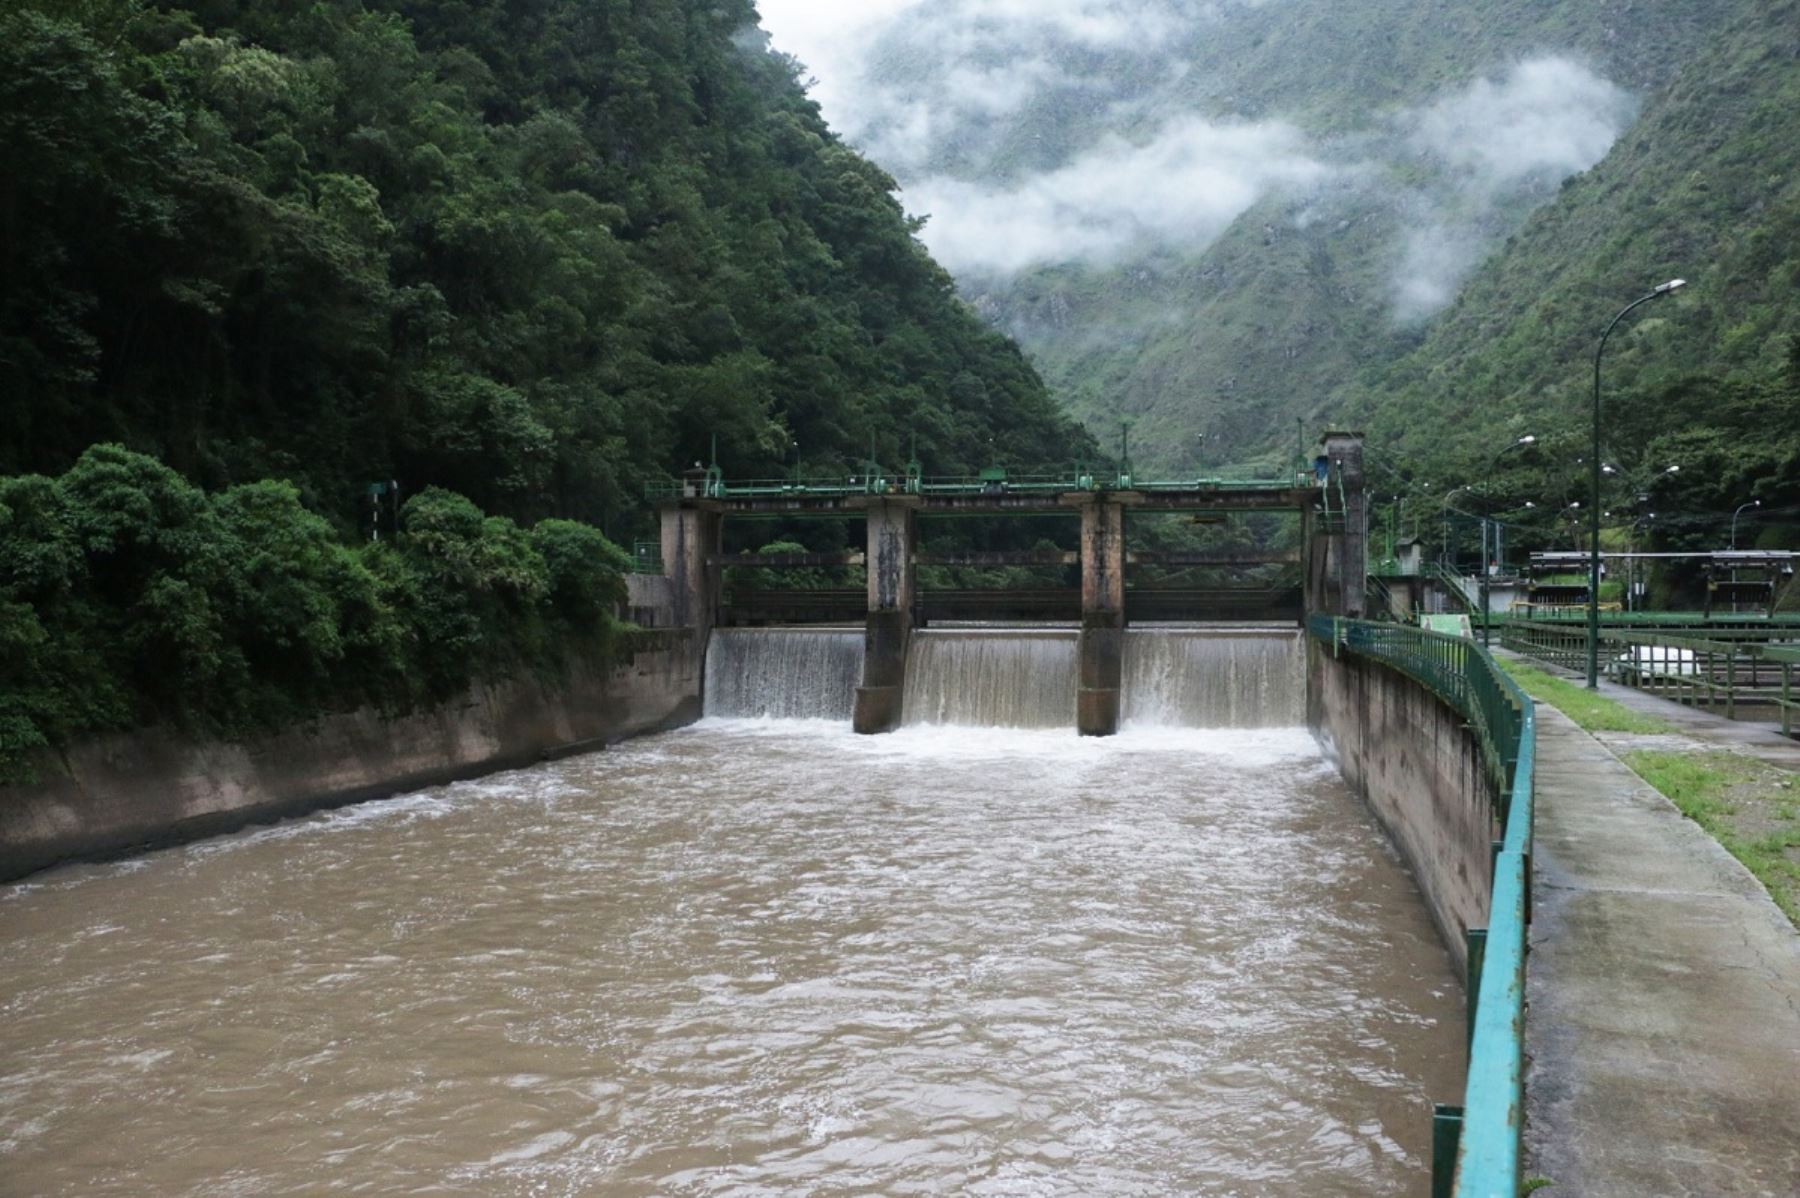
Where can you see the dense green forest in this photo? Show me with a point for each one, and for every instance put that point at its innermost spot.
(518, 258)
(128, 595)
(533, 252)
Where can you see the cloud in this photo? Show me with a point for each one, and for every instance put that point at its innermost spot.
(1547, 116)
(1434, 262)
(1034, 132)
(1182, 187)
(1499, 144)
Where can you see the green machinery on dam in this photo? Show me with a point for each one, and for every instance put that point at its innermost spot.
(1329, 503)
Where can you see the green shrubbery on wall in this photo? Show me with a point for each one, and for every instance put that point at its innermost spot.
(130, 597)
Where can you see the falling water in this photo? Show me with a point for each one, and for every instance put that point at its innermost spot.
(1006, 678)
(783, 673)
(1214, 679)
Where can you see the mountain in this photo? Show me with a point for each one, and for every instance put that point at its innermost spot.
(517, 257)
(537, 253)
(1705, 186)
(1211, 217)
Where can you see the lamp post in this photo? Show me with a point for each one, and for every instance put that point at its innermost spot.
(1734, 516)
(1593, 620)
(1487, 620)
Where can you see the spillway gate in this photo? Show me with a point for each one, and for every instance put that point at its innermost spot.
(1329, 503)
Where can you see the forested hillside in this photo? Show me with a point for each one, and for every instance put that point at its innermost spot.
(1381, 149)
(533, 252)
(1705, 187)
(517, 258)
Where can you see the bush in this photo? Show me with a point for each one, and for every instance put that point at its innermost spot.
(130, 597)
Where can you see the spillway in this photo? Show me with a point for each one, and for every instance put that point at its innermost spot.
(992, 677)
(783, 673)
(1214, 678)
(1016, 677)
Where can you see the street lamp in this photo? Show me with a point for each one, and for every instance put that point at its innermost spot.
(1593, 621)
(1734, 516)
(1487, 622)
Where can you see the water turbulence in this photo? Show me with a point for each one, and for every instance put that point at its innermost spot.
(784, 673)
(752, 957)
(769, 956)
(989, 677)
(1214, 678)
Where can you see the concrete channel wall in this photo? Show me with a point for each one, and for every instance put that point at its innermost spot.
(151, 788)
(1410, 756)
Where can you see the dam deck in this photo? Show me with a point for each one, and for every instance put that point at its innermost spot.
(1663, 1035)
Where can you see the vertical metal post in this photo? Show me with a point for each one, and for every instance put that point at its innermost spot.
(1787, 713)
(1731, 682)
(1475, 939)
(1446, 1135)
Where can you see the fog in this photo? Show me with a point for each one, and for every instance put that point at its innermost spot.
(1043, 132)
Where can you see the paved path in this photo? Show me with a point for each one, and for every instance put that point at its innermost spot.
(1703, 729)
(1663, 1031)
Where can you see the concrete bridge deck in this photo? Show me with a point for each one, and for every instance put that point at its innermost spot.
(1663, 1031)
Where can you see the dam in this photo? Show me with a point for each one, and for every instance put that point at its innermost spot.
(1104, 889)
(763, 954)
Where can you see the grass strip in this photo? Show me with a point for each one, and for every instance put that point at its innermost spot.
(1751, 808)
(1593, 712)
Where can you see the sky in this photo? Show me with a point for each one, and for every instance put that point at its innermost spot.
(952, 97)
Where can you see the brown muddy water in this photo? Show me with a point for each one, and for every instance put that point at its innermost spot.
(751, 958)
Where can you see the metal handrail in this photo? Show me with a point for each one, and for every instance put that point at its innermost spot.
(908, 484)
(1462, 674)
(1717, 669)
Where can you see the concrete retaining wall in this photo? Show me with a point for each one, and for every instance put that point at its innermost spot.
(1409, 756)
(144, 789)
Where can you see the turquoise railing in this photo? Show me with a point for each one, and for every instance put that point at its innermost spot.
(1477, 1147)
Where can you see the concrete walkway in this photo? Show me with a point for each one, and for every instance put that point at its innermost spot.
(1699, 728)
(1663, 1032)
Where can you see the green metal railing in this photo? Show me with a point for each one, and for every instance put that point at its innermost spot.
(910, 482)
(1452, 584)
(1476, 1147)
(646, 557)
(1717, 671)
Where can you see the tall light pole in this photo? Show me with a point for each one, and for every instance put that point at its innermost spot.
(1487, 622)
(1734, 516)
(1593, 620)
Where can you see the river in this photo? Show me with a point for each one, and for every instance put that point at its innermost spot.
(751, 957)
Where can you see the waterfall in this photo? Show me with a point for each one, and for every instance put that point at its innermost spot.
(786, 673)
(1214, 678)
(1010, 678)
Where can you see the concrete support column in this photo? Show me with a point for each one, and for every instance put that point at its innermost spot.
(1345, 450)
(892, 538)
(1315, 558)
(690, 537)
(1102, 646)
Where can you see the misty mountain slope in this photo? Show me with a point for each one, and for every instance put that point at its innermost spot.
(1209, 357)
(1210, 217)
(1706, 186)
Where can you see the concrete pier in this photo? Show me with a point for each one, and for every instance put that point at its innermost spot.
(1101, 650)
(690, 548)
(892, 535)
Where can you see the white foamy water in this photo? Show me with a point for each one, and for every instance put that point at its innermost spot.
(1213, 678)
(1006, 678)
(751, 957)
(786, 673)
